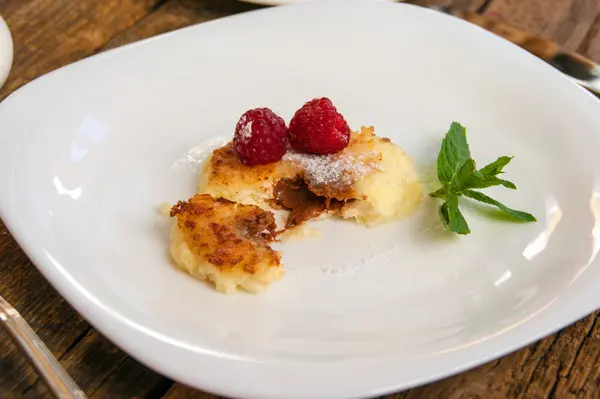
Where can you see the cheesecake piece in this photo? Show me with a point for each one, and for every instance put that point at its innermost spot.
(371, 181)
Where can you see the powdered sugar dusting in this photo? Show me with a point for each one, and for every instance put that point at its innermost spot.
(245, 129)
(336, 169)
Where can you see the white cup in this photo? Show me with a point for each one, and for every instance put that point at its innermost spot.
(6, 51)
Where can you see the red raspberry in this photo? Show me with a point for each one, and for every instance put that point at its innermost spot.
(318, 128)
(260, 137)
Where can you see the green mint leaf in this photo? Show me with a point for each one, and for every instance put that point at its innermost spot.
(517, 215)
(479, 180)
(495, 167)
(444, 212)
(453, 154)
(453, 217)
(457, 172)
(463, 176)
(441, 193)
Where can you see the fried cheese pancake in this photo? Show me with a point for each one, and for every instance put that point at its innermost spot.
(225, 243)
(374, 178)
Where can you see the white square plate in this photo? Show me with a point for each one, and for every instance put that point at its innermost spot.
(88, 152)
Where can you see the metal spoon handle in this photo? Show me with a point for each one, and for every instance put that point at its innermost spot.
(54, 375)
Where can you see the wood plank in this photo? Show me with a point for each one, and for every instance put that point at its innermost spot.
(101, 369)
(57, 324)
(591, 43)
(48, 34)
(180, 391)
(565, 21)
(470, 5)
(132, 380)
(90, 362)
(583, 375)
(533, 372)
(176, 14)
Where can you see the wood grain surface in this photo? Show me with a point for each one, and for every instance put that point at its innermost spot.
(51, 33)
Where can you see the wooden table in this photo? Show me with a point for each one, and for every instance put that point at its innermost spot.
(52, 33)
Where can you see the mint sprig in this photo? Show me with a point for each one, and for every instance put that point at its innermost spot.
(457, 172)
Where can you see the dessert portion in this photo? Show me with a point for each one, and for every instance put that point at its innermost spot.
(226, 243)
(314, 169)
(370, 181)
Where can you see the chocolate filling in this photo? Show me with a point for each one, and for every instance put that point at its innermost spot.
(295, 196)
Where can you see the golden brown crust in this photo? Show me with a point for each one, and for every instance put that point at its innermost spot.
(232, 237)
(227, 170)
(226, 167)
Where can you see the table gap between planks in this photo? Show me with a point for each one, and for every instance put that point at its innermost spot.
(51, 33)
